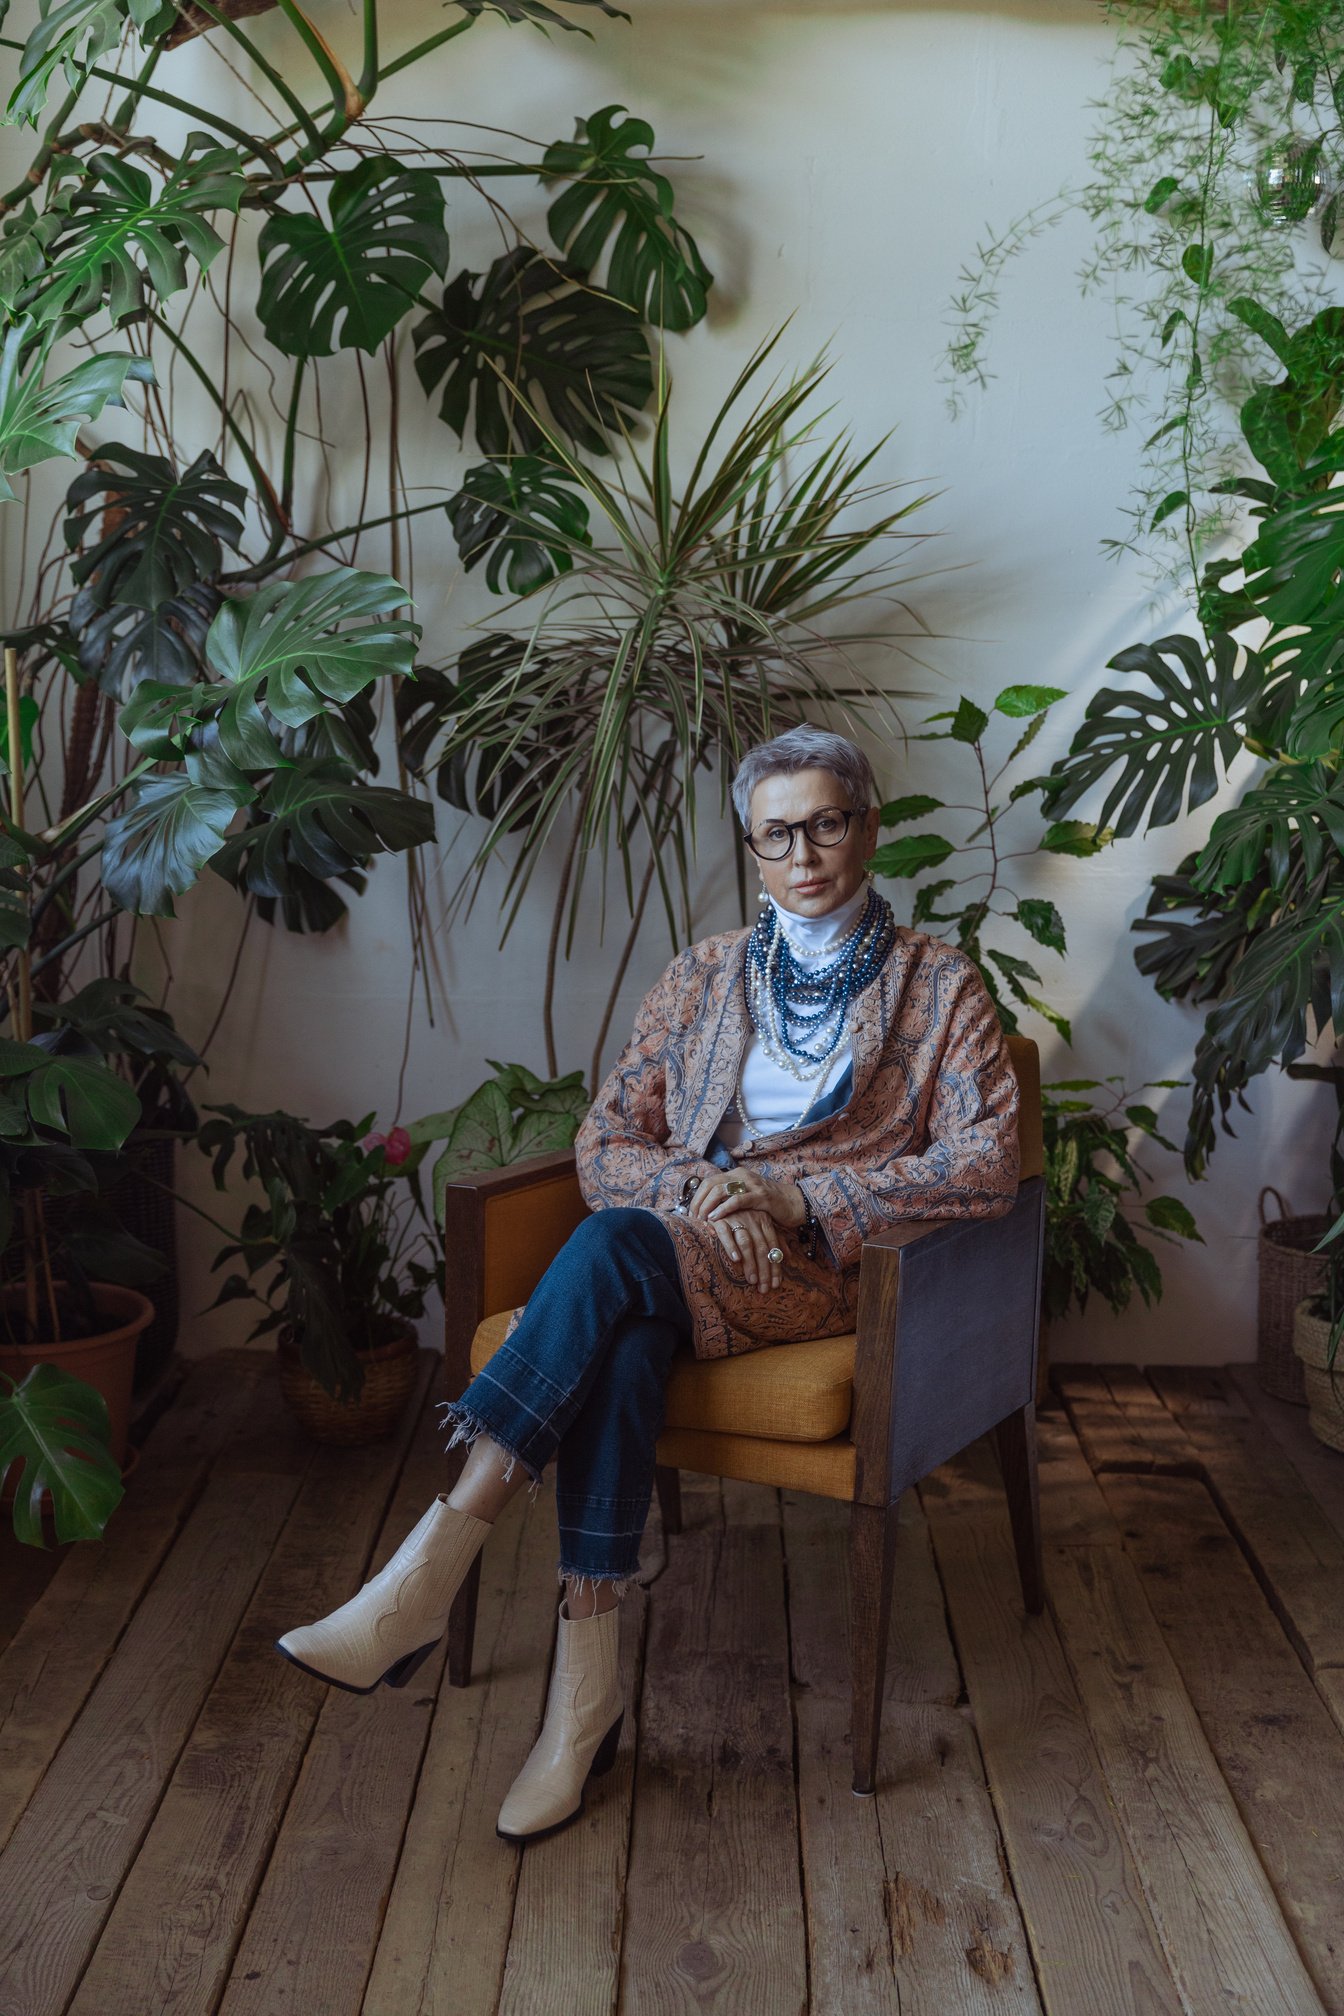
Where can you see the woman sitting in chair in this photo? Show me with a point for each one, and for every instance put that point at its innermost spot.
(788, 1090)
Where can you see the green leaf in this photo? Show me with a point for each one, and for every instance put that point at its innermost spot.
(1168, 1214)
(911, 855)
(532, 333)
(85, 1100)
(160, 532)
(1043, 921)
(157, 847)
(57, 1427)
(925, 900)
(318, 817)
(114, 233)
(1162, 190)
(1262, 323)
(968, 723)
(1077, 837)
(1175, 500)
(916, 807)
(346, 285)
(522, 517)
(1023, 701)
(29, 716)
(39, 421)
(616, 201)
(1197, 264)
(70, 37)
(1167, 741)
(536, 11)
(1294, 813)
(1172, 324)
(328, 636)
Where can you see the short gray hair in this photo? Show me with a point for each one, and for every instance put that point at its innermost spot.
(805, 748)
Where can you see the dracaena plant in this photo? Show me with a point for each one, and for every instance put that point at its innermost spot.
(661, 630)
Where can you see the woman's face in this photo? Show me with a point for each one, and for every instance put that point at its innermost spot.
(811, 880)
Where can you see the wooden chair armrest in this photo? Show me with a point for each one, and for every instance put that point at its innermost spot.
(949, 1317)
(501, 1228)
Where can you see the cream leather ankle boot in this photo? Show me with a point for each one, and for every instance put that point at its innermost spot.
(393, 1624)
(579, 1735)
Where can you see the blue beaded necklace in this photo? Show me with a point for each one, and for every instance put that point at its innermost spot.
(800, 1015)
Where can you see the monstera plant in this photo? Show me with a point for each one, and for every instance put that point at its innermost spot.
(1251, 927)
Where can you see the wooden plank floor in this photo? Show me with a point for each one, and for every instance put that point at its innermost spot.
(1133, 1803)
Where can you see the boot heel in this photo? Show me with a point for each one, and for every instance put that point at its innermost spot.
(610, 1744)
(406, 1669)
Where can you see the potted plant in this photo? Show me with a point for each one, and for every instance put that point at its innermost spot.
(1091, 1246)
(344, 1251)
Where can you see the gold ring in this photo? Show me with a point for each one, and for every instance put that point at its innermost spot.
(735, 1187)
(775, 1254)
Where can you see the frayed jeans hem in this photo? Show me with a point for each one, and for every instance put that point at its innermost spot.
(468, 1426)
(583, 1580)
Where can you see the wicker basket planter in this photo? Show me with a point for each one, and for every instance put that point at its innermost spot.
(1289, 1273)
(1325, 1387)
(389, 1375)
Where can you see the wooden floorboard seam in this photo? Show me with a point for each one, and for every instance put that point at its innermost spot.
(786, 1584)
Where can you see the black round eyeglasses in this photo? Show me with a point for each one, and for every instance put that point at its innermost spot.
(826, 827)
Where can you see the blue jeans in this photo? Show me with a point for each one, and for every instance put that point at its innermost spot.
(583, 1381)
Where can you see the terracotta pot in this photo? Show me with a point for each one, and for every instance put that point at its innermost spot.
(1325, 1384)
(389, 1375)
(106, 1361)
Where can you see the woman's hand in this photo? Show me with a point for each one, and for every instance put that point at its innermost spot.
(738, 1191)
(749, 1238)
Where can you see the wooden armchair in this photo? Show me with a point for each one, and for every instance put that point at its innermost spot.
(945, 1350)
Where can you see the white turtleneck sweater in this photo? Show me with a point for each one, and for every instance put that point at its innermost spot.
(773, 1098)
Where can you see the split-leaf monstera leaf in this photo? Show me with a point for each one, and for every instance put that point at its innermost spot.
(56, 1428)
(346, 284)
(39, 418)
(614, 201)
(533, 327)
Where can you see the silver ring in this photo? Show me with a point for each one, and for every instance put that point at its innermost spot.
(775, 1254)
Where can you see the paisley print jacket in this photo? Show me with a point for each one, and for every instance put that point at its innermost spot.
(929, 1131)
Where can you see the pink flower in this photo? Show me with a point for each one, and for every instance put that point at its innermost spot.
(396, 1146)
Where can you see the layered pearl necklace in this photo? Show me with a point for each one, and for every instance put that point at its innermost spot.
(800, 997)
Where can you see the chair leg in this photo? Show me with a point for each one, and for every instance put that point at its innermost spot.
(1016, 1438)
(872, 1556)
(462, 1627)
(669, 1496)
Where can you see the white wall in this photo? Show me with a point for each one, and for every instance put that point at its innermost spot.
(851, 158)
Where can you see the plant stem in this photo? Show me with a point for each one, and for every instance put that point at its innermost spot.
(246, 140)
(262, 568)
(267, 69)
(638, 918)
(347, 103)
(553, 948)
(265, 490)
(368, 75)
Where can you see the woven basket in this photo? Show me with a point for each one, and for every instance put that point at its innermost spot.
(389, 1375)
(1325, 1385)
(1289, 1273)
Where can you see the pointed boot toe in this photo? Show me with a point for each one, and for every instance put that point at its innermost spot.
(580, 1734)
(386, 1631)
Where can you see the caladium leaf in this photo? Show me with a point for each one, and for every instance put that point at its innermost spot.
(533, 327)
(616, 202)
(161, 532)
(110, 233)
(522, 518)
(57, 1427)
(1168, 741)
(39, 420)
(346, 284)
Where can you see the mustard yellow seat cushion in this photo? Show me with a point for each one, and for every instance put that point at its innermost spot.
(785, 1393)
